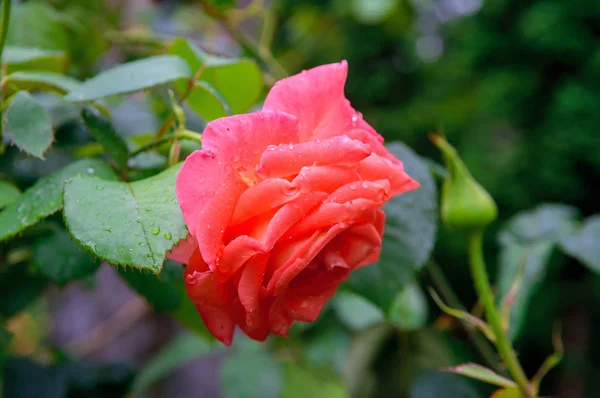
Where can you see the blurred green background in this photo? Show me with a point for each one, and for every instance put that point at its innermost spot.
(515, 86)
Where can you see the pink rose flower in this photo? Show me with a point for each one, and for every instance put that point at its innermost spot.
(282, 205)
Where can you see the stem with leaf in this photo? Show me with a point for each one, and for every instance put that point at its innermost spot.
(484, 291)
(177, 135)
(443, 287)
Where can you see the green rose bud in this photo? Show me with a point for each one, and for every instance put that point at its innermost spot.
(466, 205)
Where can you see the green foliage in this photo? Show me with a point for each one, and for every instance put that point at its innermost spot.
(221, 85)
(37, 25)
(514, 88)
(35, 80)
(302, 380)
(45, 196)
(59, 259)
(8, 193)
(104, 132)
(409, 310)
(130, 77)
(583, 243)
(478, 372)
(129, 224)
(526, 245)
(28, 125)
(26, 58)
(356, 312)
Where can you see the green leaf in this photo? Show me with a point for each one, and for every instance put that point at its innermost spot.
(36, 24)
(205, 100)
(131, 224)
(171, 357)
(28, 125)
(132, 76)
(45, 196)
(410, 230)
(315, 382)
(356, 312)
(27, 58)
(36, 80)
(526, 243)
(238, 81)
(434, 384)
(58, 258)
(409, 310)
(104, 132)
(584, 243)
(18, 288)
(251, 374)
(478, 372)
(8, 193)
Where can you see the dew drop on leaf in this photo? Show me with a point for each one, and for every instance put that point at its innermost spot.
(168, 236)
(156, 230)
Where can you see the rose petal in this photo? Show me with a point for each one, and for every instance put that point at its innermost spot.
(287, 160)
(324, 178)
(377, 191)
(250, 287)
(289, 214)
(259, 330)
(376, 167)
(358, 210)
(313, 96)
(183, 250)
(241, 139)
(280, 320)
(284, 275)
(219, 322)
(375, 142)
(207, 191)
(262, 197)
(236, 253)
(211, 297)
(356, 244)
(285, 253)
(308, 308)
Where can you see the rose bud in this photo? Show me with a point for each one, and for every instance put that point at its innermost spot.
(466, 205)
